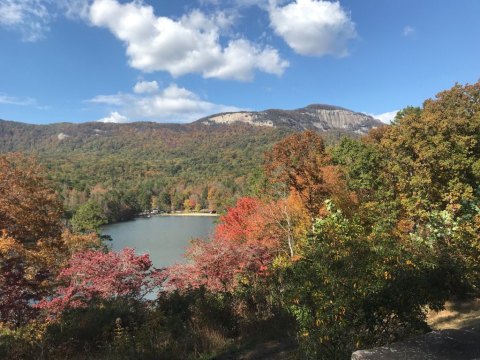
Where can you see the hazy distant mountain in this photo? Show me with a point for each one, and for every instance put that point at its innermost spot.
(313, 117)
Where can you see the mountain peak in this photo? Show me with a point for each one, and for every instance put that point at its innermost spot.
(318, 117)
(323, 107)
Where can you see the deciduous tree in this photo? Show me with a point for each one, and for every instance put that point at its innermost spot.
(243, 246)
(88, 218)
(300, 164)
(29, 208)
(95, 275)
(433, 154)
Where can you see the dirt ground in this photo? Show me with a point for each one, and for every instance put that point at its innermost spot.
(457, 315)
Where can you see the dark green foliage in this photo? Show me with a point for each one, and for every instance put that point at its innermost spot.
(347, 294)
(88, 218)
(361, 163)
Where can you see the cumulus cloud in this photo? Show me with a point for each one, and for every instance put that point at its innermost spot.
(114, 117)
(313, 27)
(171, 104)
(190, 44)
(30, 17)
(387, 117)
(143, 87)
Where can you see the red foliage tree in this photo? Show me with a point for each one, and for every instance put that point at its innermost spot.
(218, 265)
(94, 275)
(247, 223)
(19, 287)
(243, 246)
(34, 244)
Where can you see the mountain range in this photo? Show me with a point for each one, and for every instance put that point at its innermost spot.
(214, 156)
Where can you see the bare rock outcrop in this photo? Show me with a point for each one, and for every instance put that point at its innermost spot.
(313, 117)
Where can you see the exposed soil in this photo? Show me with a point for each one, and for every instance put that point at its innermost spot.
(457, 315)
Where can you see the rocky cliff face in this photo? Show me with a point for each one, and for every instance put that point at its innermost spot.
(313, 117)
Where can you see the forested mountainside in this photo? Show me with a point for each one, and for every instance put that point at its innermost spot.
(206, 164)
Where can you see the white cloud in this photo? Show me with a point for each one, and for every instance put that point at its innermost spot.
(408, 30)
(235, 3)
(313, 27)
(387, 117)
(75, 9)
(11, 100)
(114, 117)
(30, 17)
(10, 13)
(190, 44)
(172, 104)
(118, 99)
(145, 87)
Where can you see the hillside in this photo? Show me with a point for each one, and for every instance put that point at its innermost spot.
(207, 163)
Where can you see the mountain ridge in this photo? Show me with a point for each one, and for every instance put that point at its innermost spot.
(318, 117)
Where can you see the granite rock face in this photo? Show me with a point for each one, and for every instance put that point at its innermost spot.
(463, 344)
(313, 117)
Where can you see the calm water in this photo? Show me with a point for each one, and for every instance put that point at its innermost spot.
(163, 237)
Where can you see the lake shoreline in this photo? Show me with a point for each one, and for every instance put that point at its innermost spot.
(187, 214)
(182, 214)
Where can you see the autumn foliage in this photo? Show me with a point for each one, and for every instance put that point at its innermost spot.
(95, 275)
(347, 245)
(29, 209)
(255, 232)
(18, 285)
(242, 245)
(300, 164)
(434, 152)
(354, 243)
(34, 244)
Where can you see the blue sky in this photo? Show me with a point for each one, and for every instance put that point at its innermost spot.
(176, 61)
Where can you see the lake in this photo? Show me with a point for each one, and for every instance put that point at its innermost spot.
(163, 237)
